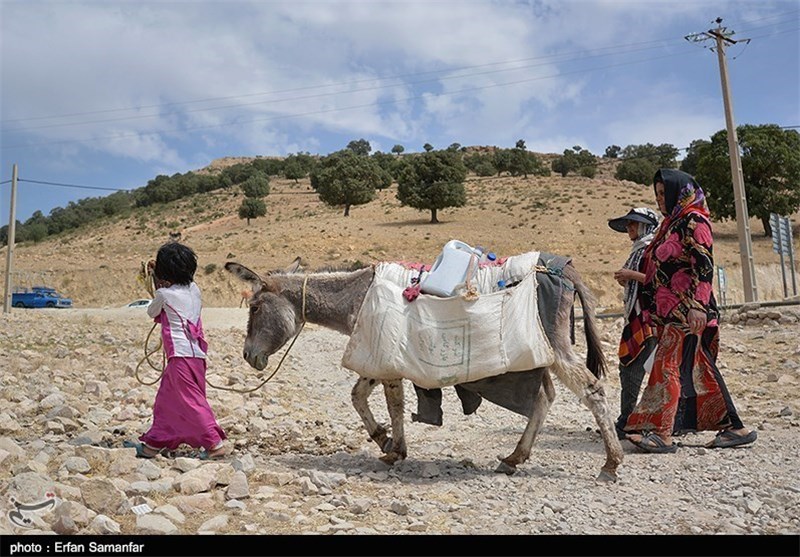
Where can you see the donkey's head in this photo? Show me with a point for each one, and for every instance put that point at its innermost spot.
(272, 320)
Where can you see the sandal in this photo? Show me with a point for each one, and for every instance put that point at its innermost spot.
(727, 438)
(221, 455)
(141, 449)
(652, 443)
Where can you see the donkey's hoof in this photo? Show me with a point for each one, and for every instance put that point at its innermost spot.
(505, 468)
(387, 446)
(391, 458)
(606, 476)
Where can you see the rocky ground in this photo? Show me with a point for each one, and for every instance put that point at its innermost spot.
(302, 462)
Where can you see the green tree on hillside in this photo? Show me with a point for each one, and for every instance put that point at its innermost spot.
(640, 162)
(428, 147)
(297, 166)
(252, 208)
(432, 181)
(502, 160)
(481, 164)
(256, 185)
(360, 147)
(345, 178)
(269, 166)
(389, 164)
(398, 149)
(293, 170)
(770, 159)
(254, 188)
(576, 159)
(522, 162)
(689, 162)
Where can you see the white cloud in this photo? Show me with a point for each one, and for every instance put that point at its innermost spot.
(417, 71)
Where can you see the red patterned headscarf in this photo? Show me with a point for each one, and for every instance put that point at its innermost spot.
(682, 195)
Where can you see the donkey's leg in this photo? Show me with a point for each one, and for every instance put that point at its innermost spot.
(360, 398)
(591, 393)
(395, 404)
(544, 397)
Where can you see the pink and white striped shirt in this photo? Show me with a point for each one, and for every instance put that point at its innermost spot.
(177, 309)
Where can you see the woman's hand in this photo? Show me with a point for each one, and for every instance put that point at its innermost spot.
(697, 321)
(622, 276)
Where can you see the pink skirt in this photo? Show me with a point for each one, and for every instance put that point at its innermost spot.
(181, 413)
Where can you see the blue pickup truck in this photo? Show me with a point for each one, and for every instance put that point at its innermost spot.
(39, 297)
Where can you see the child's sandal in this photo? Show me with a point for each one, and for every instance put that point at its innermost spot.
(141, 449)
(212, 455)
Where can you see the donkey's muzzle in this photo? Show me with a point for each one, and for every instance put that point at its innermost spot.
(257, 360)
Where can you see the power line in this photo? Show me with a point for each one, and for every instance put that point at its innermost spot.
(314, 96)
(80, 186)
(583, 54)
(339, 109)
(68, 185)
(350, 83)
(396, 76)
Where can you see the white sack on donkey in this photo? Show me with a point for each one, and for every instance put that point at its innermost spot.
(437, 341)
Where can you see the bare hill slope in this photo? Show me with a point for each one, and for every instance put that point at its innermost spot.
(97, 266)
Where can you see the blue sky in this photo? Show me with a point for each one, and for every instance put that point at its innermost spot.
(111, 94)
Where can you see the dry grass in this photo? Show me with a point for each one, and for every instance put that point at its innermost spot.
(97, 266)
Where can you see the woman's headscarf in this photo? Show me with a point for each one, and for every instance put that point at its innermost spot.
(682, 193)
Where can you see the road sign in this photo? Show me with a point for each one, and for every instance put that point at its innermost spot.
(781, 234)
(786, 231)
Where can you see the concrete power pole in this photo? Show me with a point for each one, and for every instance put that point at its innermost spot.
(12, 221)
(740, 198)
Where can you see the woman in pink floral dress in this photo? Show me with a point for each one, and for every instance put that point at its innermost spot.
(685, 391)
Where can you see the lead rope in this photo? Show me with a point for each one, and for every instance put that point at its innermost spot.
(210, 384)
(147, 278)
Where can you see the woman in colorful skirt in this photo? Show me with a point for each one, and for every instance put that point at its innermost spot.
(685, 391)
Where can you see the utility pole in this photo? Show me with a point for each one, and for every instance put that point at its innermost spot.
(12, 221)
(723, 39)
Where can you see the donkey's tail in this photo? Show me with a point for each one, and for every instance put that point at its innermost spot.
(595, 359)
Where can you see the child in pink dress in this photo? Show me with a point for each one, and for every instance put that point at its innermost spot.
(181, 413)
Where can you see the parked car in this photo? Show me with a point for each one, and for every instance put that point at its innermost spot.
(138, 304)
(39, 297)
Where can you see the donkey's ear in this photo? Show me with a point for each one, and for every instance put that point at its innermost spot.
(245, 274)
(257, 283)
(294, 267)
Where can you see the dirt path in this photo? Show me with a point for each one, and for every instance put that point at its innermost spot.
(303, 463)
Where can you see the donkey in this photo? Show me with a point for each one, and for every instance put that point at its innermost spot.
(283, 301)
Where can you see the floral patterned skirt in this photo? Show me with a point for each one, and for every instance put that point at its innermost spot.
(685, 390)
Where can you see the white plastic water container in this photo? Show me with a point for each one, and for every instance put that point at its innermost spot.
(450, 269)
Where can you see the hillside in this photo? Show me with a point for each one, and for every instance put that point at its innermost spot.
(97, 266)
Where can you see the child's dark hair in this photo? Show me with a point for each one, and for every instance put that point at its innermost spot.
(175, 263)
